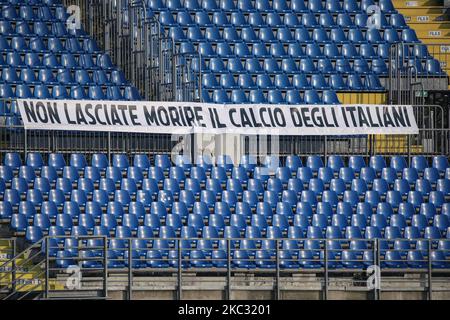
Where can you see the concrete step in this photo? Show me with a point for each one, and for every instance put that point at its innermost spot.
(417, 3)
(436, 40)
(442, 26)
(29, 282)
(418, 11)
(75, 295)
(423, 18)
(432, 33)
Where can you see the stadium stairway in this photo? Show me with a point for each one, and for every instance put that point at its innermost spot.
(6, 249)
(430, 20)
(29, 275)
(29, 282)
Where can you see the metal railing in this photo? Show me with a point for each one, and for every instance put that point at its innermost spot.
(409, 78)
(7, 253)
(140, 46)
(31, 273)
(433, 139)
(273, 262)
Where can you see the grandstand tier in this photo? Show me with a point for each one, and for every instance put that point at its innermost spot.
(121, 203)
(300, 201)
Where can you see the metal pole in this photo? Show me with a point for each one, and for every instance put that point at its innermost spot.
(109, 146)
(13, 266)
(105, 267)
(47, 271)
(375, 262)
(325, 288)
(180, 260)
(199, 81)
(277, 283)
(430, 288)
(174, 74)
(378, 259)
(325, 150)
(130, 271)
(25, 143)
(228, 269)
(373, 147)
(409, 149)
(53, 144)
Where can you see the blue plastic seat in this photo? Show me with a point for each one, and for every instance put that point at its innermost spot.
(254, 232)
(435, 197)
(27, 75)
(438, 260)
(6, 28)
(102, 195)
(12, 160)
(308, 20)
(220, 18)
(247, 164)
(440, 163)
(419, 163)
(241, 50)
(409, 36)
(443, 185)
(358, 224)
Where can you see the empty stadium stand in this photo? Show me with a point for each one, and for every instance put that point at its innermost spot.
(42, 58)
(261, 52)
(119, 204)
(302, 204)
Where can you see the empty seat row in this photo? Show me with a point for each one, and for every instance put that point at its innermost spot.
(249, 162)
(38, 28)
(293, 49)
(11, 76)
(298, 6)
(50, 60)
(272, 96)
(243, 259)
(237, 181)
(290, 66)
(48, 44)
(34, 12)
(238, 226)
(269, 34)
(42, 91)
(171, 192)
(274, 19)
(285, 82)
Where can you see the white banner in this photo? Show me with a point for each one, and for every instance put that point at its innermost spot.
(189, 117)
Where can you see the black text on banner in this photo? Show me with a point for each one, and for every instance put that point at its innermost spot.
(186, 117)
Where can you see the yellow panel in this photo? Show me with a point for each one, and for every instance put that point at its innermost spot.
(362, 97)
(416, 3)
(5, 243)
(430, 32)
(436, 40)
(422, 17)
(29, 281)
(39, 285)
(395, 144)
(425, 10)
(442, 26)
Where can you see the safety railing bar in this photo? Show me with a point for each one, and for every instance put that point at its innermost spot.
(17, 290)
